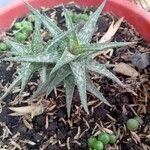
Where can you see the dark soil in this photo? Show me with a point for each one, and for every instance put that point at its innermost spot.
(52, 130)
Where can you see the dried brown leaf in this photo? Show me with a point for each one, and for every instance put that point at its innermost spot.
(34, 110)
(126, 70)
(78, 134)
(27, 124)
(136, 137)
(111, 31)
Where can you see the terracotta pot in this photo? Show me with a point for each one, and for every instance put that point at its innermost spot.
(136, 16)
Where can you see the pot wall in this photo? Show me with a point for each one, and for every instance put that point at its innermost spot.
(136, 16)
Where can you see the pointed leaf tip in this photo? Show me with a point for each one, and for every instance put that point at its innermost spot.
(87, 31)
(69, 85)
(79, 73)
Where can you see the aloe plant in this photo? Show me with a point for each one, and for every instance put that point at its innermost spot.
(64, 59)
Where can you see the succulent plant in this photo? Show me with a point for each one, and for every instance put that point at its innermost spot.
(3, 46)
(98, 145)
(91, 141)
(64, 59)
(113, 139)
(78, 17)
(21, 37)
(101, 141)
(104, 138)
(18, 25)
(133, 124)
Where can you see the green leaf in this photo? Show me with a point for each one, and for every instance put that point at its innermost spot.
(39, 58)
(18, 48)
(62, 73)
(51, 81)
(78, 69)
(36, 45)
(92, 48)
(48, 23)
(68, 19)
(95, 66)
(58, 40)
(92, 89)
(65, 59)
(16, 82)
(26, 72)
(69, 85)
(73, 37)
(43, 86)
(87, 31)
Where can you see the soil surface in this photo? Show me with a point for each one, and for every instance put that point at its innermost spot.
(52, 130)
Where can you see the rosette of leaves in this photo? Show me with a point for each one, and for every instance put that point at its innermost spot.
(26, 53)
(64, 59)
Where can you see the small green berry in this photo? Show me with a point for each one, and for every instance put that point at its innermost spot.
(104, 138)
(91, 141)
(132, 124)
(139, 119)
(18, 25)
(75, 18)
(84, 17)
(3, 46)
(98, 145)
(113, 138)
(21, 37)
(27, 27)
